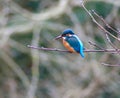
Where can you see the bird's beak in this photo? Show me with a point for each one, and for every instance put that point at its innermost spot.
(58, 37)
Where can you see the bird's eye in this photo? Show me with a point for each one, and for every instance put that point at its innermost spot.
(64, 35)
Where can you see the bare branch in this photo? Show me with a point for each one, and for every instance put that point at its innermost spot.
(102, 28)
(108, 39)
(47, 49)
(91, 43)
(110, 64)
(100, 17)
(60, 50)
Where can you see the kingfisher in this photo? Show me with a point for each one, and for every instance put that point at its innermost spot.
(71, 42)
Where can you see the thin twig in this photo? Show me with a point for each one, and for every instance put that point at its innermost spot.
(102, 28)
(46, 49)
(108, 39)
(91, 43)
(60, 50)
(105, 64)
(106, 32)
(100, 17)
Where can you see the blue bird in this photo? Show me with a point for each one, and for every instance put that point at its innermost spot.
(71, 42)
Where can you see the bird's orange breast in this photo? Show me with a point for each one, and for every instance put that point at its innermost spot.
(66, 44)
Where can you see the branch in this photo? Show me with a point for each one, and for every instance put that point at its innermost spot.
(93, 44)
(103, 20)
(60, 50)
(105, 64)
(47, 49)
(93, 19)
(102, 28)
(108, 39)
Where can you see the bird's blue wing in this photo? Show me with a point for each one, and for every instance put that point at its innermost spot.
(76, 43)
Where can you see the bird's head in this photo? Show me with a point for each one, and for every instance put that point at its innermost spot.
(65, 33)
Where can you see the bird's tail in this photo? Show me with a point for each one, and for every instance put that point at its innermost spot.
(82, 52)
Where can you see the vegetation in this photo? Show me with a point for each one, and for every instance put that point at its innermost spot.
(31, 73)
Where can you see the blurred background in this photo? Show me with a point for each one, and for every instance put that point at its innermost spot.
(29, 73)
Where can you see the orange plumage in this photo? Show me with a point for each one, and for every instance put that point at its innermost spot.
(68, 46)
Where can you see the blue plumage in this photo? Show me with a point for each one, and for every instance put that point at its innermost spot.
(73, 41)
(68, 31)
